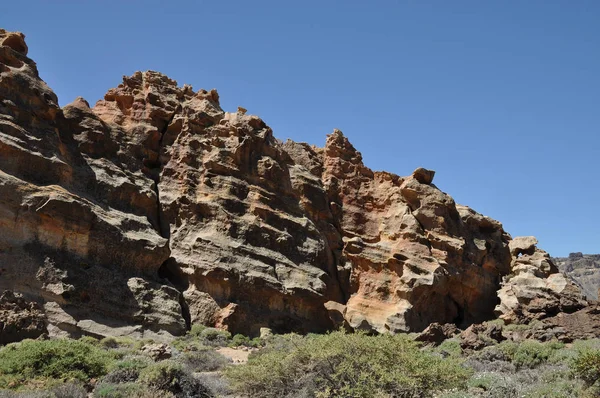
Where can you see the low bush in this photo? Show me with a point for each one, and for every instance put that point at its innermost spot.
(206, 360)
(529, 353)
(215, 337)
(449, 348)
(170, 376)
(129, 390)
(345, 365)
(586, 366)
(241, 340)
(66, 390)
(52, 359)
(201, 336)
(196, 330)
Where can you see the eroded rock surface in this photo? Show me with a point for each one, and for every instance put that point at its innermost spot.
(19, 318)
(156, 209)
(584, 269)
(535, 289)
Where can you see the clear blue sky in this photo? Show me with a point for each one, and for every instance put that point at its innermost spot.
(501, 98)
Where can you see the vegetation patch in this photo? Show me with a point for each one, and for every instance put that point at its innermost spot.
(346, 365)
(23, 363)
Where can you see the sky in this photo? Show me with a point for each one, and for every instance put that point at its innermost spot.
(500, 98)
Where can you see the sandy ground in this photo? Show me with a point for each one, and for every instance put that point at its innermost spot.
(237, 355)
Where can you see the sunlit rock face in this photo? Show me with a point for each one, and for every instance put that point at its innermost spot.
(535, 289)
(155, 209)
(584, 269)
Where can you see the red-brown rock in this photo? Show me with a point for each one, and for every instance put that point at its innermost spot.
(155, 209)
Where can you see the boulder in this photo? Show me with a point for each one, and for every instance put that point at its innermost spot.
(478, 336)
(435, 333)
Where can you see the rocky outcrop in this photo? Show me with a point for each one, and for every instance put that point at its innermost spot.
(155, 209)
(478, 336)
(19, 319)
(77, 213)
(535, 289)
(435, 334)
(413, 255)
(584, 270)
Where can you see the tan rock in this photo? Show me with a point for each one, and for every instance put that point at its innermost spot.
(14, 40)
(155, 209)
(424, 176)
(535, 289)
(157, 352)
(19, 318)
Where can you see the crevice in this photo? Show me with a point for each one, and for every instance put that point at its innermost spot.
(185, 312)
(343, 281)
(168, 270)
(426, 241)
(155, 173)
(171, 271)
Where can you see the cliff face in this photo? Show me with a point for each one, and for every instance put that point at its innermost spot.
(584, 269)
(155, 209)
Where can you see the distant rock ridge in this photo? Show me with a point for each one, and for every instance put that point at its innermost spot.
(155, 209)
(584, 269)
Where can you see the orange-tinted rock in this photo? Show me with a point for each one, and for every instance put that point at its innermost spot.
(156, 209)
(415, 257)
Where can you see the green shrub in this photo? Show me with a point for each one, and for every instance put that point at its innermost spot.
(215, 337)
(586, 366)
(450, 347)
(206, 360)
(172, 377)
(529, 353)
(346, 365)
(134, 362)
(138, 344)
(196, 330)
(239, 340)
(555, 389)
(201, 336)
(52, 359)
(89, 340)
(127, 370)
(188, 343)
(129, 390)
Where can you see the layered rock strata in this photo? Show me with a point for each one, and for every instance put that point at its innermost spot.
(155, 209)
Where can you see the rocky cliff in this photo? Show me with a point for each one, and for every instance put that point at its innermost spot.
(584, 269)
(155, 209)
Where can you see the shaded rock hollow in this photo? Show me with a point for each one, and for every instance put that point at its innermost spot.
(155, 209)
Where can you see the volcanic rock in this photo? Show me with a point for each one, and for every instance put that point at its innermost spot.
(478, 336)
(436, 334)
(535, 289)
(424, 176)
(19, 319)
(584, 270)
(155, 209)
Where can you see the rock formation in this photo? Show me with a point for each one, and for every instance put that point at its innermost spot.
(155, 209)
(19, 319)
(584, 269)
(535, 289)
